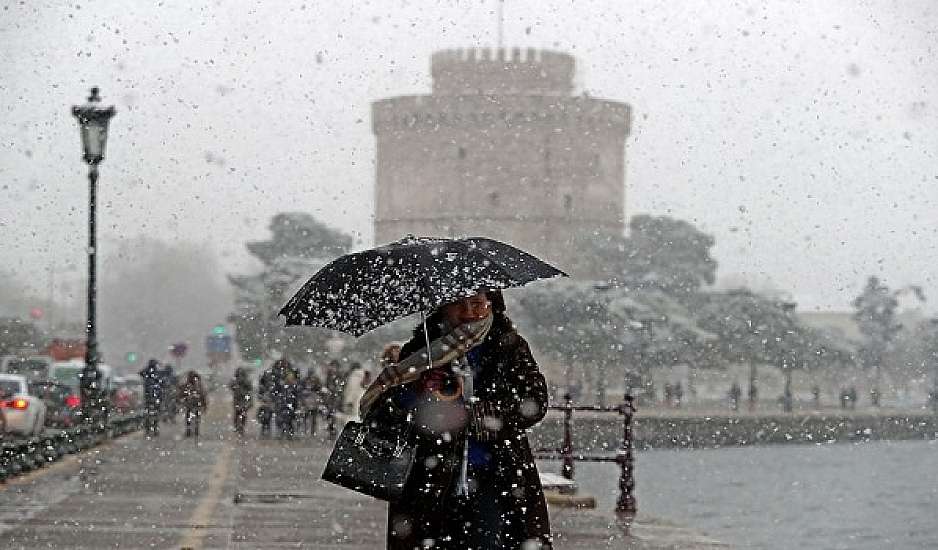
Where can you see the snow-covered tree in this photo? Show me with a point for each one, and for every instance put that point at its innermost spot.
(875, 314)
(298, 247)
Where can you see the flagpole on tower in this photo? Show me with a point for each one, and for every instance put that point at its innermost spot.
(499, 11)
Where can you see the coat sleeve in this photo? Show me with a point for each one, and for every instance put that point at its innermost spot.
(522, 402)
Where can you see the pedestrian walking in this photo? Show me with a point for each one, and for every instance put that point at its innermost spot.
(310, 401)
(265, 410)
(194, 401)
(466, 388)
(152, 397)
(285, 397)
(169, 381)
(242, 398)
(334, 394)
(735, 393)
(678, 394)
(474, 483)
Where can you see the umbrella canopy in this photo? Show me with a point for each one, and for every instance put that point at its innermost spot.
(362, 291)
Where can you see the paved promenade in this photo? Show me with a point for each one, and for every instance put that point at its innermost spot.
(219, 492)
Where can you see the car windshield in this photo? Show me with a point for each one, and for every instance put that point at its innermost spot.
(48, 391)
(70, 376)
(8, 388)
(30, 368)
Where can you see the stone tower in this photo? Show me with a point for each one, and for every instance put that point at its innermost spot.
(503, 149)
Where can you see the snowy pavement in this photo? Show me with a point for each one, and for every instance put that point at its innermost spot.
(220, 492)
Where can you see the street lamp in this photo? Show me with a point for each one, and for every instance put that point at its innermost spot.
(933, 353)
(93, 122)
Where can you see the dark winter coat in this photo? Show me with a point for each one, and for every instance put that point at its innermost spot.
(511, 388)
(192, 396)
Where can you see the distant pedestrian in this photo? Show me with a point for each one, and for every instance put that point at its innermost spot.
(334, 394)
(668, 394)
(242, 398)
(194, 401)
(287, 400)
(753, 396)
(735, 394)
(853, 397)
(844, 398)
(875, 396)
(169, 381)
(816, 394)
(152, 396)
(678, 394)
(265, 411)
(310, 401)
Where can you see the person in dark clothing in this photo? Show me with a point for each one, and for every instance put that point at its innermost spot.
(735, 394)
(311, 391)
(241, 398)
(169, 381)
(152, 396)
(265, 412)
(194, 402)
(474, 482)
(285, 397)
(335, 391)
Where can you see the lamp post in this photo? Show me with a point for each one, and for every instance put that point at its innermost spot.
(93, 122)
(933, 355)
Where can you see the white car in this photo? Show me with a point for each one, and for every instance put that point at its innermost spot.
(25, 414)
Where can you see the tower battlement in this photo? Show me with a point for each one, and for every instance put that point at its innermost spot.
(502, 71)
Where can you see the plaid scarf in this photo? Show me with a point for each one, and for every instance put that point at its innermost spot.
(443, 351)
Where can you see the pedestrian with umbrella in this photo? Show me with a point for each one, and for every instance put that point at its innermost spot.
(466, 380)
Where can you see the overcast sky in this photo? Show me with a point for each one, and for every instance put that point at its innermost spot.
(803, 135)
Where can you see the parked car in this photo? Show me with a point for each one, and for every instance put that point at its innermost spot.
(69, 374)
(33, 367)
(126, 395)
(25, 413)
(61, 403)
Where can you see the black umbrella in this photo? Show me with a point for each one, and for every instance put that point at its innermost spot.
(362, 291)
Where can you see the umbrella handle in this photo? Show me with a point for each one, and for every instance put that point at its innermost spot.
(426, 335)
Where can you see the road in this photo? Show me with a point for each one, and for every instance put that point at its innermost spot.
(223, 492)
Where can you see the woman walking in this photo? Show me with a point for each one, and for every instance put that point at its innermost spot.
(194, 401)
(474, 482)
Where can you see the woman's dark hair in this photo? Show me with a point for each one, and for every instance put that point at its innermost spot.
(497, 300)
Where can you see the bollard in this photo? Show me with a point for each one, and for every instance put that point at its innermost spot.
(626, 504)
(567, 449)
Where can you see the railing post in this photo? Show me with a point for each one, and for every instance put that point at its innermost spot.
(567, 449)
(626, 504)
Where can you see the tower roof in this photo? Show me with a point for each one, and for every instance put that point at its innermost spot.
(502, 71)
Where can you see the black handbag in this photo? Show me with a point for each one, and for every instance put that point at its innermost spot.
(373, 460)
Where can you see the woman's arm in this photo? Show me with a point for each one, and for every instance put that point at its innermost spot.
(521, 400)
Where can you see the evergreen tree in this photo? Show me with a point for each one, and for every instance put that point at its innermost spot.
(298, 247)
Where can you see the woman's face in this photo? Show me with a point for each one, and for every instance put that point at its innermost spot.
(471, 309)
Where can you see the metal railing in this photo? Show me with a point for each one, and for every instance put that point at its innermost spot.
(22, 455)
(626, 503)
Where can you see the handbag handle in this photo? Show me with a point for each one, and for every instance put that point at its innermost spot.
(399, 445)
